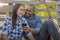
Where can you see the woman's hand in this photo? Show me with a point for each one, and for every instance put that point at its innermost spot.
(4, 37)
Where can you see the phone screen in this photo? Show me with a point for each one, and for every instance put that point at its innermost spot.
(24, 24)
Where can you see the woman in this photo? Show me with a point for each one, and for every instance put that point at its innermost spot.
(12, 29)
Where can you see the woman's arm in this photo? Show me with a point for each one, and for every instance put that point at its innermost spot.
(5, 30)
(4, 37)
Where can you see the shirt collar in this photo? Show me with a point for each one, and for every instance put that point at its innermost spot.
(20, 18)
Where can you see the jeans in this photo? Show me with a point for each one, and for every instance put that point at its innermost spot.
(49, 28)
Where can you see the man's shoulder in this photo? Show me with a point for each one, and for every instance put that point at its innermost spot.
(38, 17)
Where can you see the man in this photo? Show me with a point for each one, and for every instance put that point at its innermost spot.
(33, 21)
(39, 30)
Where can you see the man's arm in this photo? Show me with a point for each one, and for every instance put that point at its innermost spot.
(38, 26)
(28, 34)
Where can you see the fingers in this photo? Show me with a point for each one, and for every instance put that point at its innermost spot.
(26, 30)
(25, 27)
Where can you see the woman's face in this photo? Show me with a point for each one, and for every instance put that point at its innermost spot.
(20, 11)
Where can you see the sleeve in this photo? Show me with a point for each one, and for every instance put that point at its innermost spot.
(38, 24)
(27, 33)
(5, 27)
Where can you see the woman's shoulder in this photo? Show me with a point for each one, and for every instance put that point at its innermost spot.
(23, 18)
(8, 19)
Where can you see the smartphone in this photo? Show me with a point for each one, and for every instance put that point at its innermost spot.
(24, 24)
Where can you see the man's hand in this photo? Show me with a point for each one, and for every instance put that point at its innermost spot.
(27, 29)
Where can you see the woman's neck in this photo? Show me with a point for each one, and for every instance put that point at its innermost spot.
(17, 19)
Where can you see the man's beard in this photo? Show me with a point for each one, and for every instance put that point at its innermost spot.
(27, 15)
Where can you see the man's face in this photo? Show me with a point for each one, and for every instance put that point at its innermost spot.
(29, 11)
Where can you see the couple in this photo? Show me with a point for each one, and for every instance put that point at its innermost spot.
(35, 30)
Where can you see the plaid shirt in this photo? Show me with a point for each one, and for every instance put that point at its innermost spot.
(14, 34)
